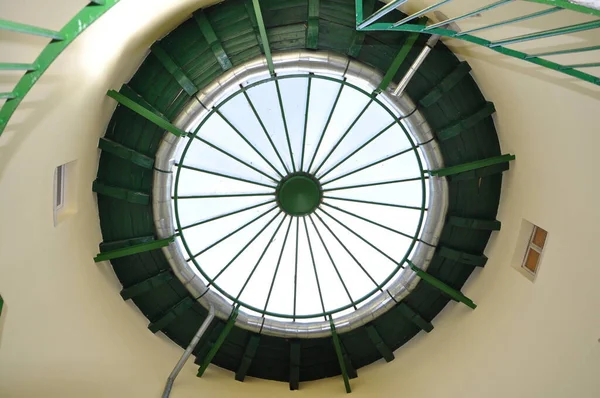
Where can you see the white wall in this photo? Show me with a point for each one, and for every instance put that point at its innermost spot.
(67, 332)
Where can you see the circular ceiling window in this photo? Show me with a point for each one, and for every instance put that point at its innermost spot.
(299, 195)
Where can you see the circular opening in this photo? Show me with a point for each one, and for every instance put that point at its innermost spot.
(299, 194)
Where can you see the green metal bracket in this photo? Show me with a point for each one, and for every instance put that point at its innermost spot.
(248, 357)
(263, 35)
(138, 198)
(312, 28)
(134, 249)
(252, 18)
(377, 341)
(30, 30)
(171, 314)
(338, 350)
(473, 166)
(175, 70)
(470, 121)
(400, 57)
(7, 96)
(408, 313)
(358, 37)
(146, 285)
(295, 349)
(119, 244)
(474, 223)
(461, 257)
(446, 84)
(130, 93)
(123, 152)
(213, 41)
(25, 67)
(215, 348)
(444, 288)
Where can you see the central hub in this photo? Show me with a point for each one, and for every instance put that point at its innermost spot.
(299, 194)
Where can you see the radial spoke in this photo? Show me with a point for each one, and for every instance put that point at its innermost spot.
(373, 184)
(344, 135)
(244, 249)
(224, 175)
(359, 149)
(285, 126)
(262, 255)
(232, 195)
(234, 232)
(360, 237)
(296, 265)
(305, 121)
(332, 262)
(377, 203)
(333, 107)
(278, 264)
(314, 265)
(369, 165)
(235, 158)
(262, 125)
(246, 141)
(225, 215)
(347, 250)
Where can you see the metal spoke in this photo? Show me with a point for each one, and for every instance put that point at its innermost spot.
(348, 251)
(373, 184)
(278, 264)
(218, 112)
(305, 121)
(233, 195)
(262, 255)
(344, 135)
(285, 126)
(296, 266)
(377, 203)
(332, 262)
(243, 249)
(369, 165)
(234, 232)
(235, 158)
(225, 215)
(333, 107)
(224, 175)
(264, 128)
(314, 265)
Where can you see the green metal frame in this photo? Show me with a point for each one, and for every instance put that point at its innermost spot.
(444, 288)
(340, 356)
(60, 41)
(220, 340)
(135, 249)
(499, 46)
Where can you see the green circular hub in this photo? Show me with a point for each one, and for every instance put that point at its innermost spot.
(299, 195)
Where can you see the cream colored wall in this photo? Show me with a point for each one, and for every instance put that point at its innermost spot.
(67, 333)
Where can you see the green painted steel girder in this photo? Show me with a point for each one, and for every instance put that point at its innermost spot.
(171, 314)
(452, 79)
(340, 356)
(478, 164)
(461, 257)
(409, 314)
(13, 66)
(444, 288)
(147, 285)
(263, 35)
(145, 113)
(377, 341)
(249, 353)
(123, 152)
(358, 37)
(130, 93)
(474, 223)
(134, 249)
(252, 17)
(30, 30)
(312, 26)
(175, 70)
(295, 349)
(466, 123)
(119, 244)
(213, 41)
(220, 340)
(400, 58)
(138, 198)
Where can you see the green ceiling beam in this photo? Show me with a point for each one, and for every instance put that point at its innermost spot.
(312, 27)
(175, 70)
(248, 357)
(263, 35)
(452, 79)
(466, 123)
(125, 153)
(213, 41)
(145, 113)
(398, 61)
(295, 350)
(220, 340)
(171, 314)
(146, 285)
(461, 257)
(22, 67)
(441, 286)
(338, 351)
(30, 30)
(358, 37)
(134, 249)
(474, 223)
(134, 197)
(119, 244)
(252, 18)
(130, 93)
(409, 314)
(474, 166)
(377, 341)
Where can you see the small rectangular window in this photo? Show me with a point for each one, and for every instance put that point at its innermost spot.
(59, 187)
(65, 191)
(533, 254)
